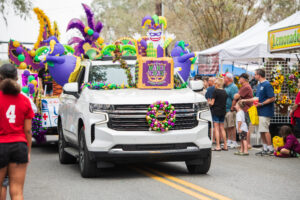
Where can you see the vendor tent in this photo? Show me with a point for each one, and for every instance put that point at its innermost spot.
(248, 47)
(289, 21)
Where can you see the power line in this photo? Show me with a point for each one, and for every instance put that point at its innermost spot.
(5, 42)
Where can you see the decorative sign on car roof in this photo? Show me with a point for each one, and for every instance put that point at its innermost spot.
(156, 73)
(285, 39)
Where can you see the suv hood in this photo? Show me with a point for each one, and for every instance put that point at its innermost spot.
(139, 96)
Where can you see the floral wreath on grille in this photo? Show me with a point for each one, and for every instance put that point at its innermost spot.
(153, 113)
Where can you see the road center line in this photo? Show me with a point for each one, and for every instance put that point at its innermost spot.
(190, 185)
(171, 184)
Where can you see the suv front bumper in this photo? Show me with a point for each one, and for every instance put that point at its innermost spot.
(120, 156)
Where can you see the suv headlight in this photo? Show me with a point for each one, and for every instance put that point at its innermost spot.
(201, 106)
(100, 107)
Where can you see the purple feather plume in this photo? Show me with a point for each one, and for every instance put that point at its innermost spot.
(74, 40)
(89, 15)
(98, 27)
(77, 23)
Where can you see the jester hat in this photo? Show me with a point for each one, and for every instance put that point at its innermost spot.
(155, 22)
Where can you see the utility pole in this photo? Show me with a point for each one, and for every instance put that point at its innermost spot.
(158, 7)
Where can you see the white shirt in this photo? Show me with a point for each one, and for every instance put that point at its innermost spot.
(33, 106)
(240, 117)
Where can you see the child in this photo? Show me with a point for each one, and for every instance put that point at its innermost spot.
(242, 129)
(291, 147)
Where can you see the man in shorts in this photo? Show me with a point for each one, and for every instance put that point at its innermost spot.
(229, 123)
(265, 109)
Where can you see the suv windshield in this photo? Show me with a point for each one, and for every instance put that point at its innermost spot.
(110, 74)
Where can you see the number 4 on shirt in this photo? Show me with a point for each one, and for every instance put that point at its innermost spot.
(10, 114)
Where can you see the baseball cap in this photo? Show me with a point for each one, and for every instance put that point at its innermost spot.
(229, 75)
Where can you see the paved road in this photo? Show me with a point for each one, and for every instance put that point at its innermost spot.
(230, 177)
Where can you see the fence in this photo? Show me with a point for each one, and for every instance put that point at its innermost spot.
(286, 68)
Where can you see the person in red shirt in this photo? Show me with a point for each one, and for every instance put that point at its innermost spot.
(296, 108)
(245, 92)
(15, 131)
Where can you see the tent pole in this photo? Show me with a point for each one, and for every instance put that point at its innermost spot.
(221, 67)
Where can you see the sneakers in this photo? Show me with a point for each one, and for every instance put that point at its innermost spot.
(233, 145)
(265, 153)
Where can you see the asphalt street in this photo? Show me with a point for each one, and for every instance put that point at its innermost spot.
(230, 177)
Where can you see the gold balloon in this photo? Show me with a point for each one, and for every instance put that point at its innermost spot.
(16, 44)
(167, 129)
(23, 65)
(32, 53)
(34, 82)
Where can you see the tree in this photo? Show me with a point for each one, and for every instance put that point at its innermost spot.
(276, 10)
(20, 8)
(121, 17)
(202, 23)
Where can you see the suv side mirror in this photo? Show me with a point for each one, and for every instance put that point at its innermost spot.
(196, 85)
(71, 89)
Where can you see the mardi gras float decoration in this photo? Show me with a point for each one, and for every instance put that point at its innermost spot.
(29, 83)
(183, 59)
(24, 58)
(156, 42)
(60, 64)
(91, 42)
(153, 113)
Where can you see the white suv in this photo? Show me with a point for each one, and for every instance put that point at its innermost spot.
(104, 127)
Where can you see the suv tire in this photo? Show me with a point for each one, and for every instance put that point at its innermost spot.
(200, 168)
(64, 157)
(88, 168)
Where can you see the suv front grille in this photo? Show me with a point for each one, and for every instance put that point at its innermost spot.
(132, 117)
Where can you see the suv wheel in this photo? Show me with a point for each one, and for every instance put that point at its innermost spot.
(200, 168)
(64, 157)
(88, 168)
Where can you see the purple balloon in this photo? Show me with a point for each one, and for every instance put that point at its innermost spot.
(95, 35)
(19, 50)
(30, 86)
(26, 73)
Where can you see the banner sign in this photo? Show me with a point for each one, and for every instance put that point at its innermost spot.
(50, 112)
(156, 73)
(284, 39)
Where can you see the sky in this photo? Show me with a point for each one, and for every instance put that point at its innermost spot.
(61, 11)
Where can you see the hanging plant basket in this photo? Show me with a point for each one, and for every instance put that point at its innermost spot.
(283, 109)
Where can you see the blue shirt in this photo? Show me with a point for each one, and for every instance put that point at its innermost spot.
(231, 90)
(265, 91)
(209, 92)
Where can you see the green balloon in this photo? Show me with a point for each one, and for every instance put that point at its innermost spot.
(30, 78)
(36, 59)
(25, 89)
(21, 57)
(90, 32)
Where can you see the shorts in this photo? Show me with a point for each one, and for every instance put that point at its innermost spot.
(264, 123)
(230, 119)
(243, 135)
(16, 152)
(5, 182)
(247, 119)
(218, 119)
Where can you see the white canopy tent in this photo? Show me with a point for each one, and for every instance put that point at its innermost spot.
(248, 47)
(289, 21)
